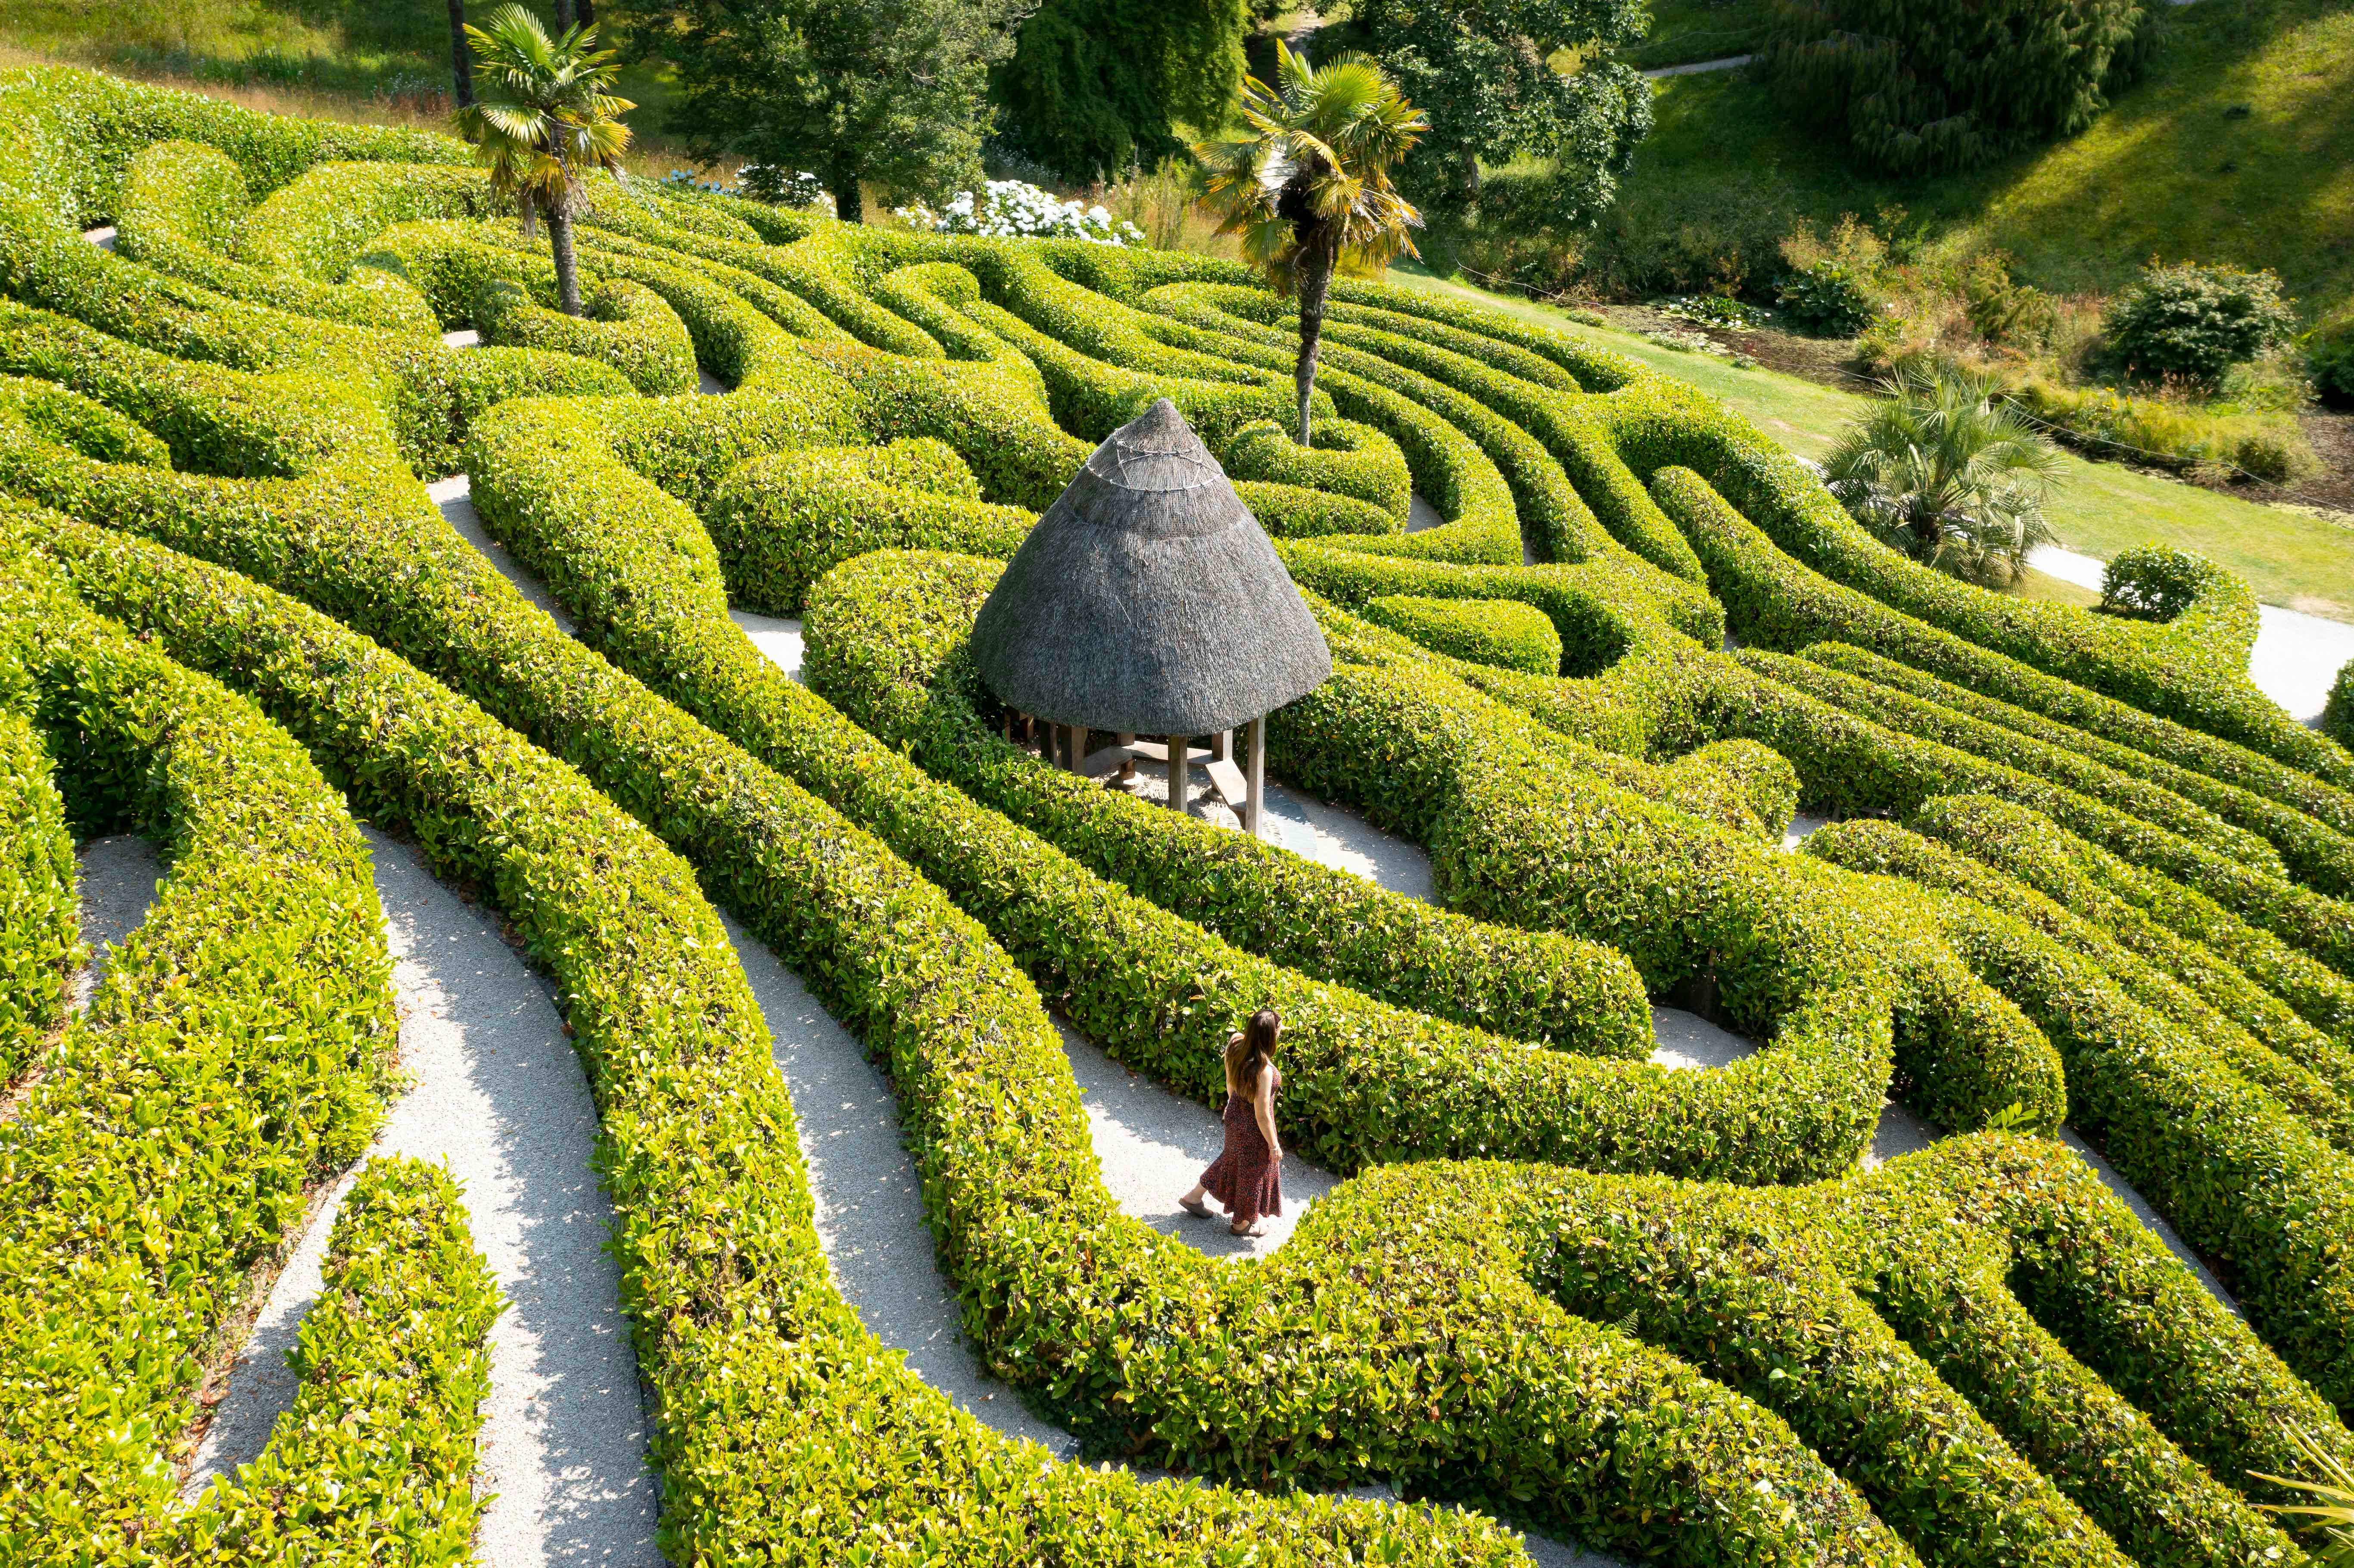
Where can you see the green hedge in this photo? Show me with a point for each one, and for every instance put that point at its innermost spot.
(627, 325)
(1348, 459)
(1500, 631)
(375, 1460)
(2262, 1195)
(39, 948)
(182, 211)
(233, 1055)
(1000, 1177)
(762, 1374)
(782, 522)
(2315, 851)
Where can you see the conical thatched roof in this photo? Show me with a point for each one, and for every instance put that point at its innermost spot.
(1147, 599)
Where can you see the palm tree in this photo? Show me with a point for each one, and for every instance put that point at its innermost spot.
(545, 117)
(1308, 185)
(2329, 1507)
(1947, 474)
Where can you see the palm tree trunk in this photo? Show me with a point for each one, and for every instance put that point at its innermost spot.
(1315, 259)
(563, 15)
(461, 59)
(567, 270)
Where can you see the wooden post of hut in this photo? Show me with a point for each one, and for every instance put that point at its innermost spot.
(1147, 601)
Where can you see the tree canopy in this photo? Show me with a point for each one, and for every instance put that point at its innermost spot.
(892, 94)
(1502, 79)
(1095, 86)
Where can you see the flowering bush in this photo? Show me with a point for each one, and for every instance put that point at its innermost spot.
(760, 182)
(1015, 208)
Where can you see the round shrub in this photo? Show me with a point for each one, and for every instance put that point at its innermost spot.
(2338, 713)
(2195, 322)
(2329, 359)
(1500, 631)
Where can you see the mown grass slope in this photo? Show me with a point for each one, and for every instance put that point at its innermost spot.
(2237, 145)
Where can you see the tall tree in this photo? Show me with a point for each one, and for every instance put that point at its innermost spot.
(1947, 474)
(1503, 79)
(892, 94)
(1307, 185)
(544, 120)
(1096, 86)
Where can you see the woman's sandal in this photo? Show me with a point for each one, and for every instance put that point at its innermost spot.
(1199, 1211)
(1251, 1230)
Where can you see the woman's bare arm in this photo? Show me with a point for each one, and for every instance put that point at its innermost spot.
(1264, 1106)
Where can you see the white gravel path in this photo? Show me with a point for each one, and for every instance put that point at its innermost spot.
(2295, 657)
(455, 497)
(116, 878)
(501, 1101)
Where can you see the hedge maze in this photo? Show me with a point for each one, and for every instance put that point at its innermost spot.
(2086, 875)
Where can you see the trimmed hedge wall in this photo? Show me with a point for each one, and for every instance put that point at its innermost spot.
(1348, 459)
(627, 326)
(182, 211)
(1500, 631)
(2240, 1176)
(233, 1055)
(39, 945)
(375, 1460)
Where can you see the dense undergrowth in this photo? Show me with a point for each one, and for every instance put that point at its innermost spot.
(2090, 876)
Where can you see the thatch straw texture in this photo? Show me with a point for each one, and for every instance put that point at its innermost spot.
(1147, 599)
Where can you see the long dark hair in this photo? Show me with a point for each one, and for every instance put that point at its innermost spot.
(1250, 1052)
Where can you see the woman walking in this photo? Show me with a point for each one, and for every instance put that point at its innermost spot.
(1247, 1175)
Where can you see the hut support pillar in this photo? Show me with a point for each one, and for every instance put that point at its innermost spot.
(1254, 774)
(1181, 748)
(1076, 746)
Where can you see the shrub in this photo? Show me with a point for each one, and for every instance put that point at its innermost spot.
(2195, 322)
(1916, 88)
(2171, 432)
(1500, 631)
(2329, 355)
(38, 947)
(1348, 459)
(1011, 209)
(2338, 712)
(1826, 299)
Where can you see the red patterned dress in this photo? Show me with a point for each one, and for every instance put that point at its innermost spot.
(1245, 1177)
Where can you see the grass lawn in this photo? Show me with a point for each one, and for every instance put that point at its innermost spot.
(1686, 30)
(2291, 559)
(2237, 145)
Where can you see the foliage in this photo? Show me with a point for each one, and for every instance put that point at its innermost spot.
(1832, 289)
(1915, 86)
(1712, 309)
(1500, 631)
(2169, 431)
(1483, 72)
(2195, 322)
(1011, 209)
(542, 118)
(2326, 1488)
(2338, 713)
(38, 946)
(1945, 473)
(891, 94)
(1095, 88)
(2329, 352)
(1307, 188)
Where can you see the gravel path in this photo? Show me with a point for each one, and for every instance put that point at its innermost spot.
(500, 1100)
(117, 877)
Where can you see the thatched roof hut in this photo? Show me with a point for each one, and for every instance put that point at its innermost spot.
(1147, 601)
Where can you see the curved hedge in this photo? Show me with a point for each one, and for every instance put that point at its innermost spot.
(1500, 631)
(39, 948)
(233, 1055)
(1348, 459)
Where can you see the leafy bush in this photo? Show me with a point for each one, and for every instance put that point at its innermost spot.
(1500, 631)
(2338, 712)
(2195, 322)
(1711, 310)
(1827, 298)
(1915, 86)
(2169, 431)
(2329, 353)
(38, 947)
